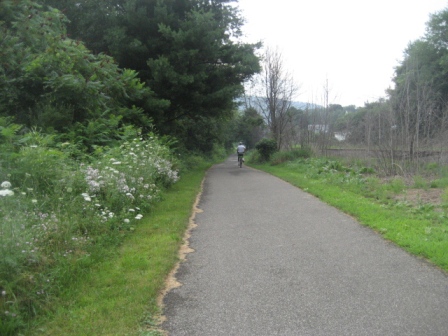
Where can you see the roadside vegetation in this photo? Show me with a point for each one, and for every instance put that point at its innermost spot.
(61, 216)
(409, 211)
(118, 295)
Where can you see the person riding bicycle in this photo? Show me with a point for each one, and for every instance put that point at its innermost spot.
(240, 151)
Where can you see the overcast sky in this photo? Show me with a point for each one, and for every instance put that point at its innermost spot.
(355, 44)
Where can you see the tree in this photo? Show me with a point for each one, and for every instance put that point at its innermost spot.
(187, 51)
(278, 91)
(419, 95)
(51, 81)
(249, 127)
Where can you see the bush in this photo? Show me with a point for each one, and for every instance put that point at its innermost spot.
(266, 147)
(292, 155)
(57, 215)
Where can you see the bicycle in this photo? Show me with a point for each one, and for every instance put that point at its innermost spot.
(240, 160)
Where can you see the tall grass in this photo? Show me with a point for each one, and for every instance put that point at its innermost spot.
(57, 215)
(119, 295)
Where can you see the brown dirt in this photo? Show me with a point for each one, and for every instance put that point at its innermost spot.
(171, 281)
(419, 196)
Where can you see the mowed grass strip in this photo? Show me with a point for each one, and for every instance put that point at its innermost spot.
(119, 295)
(419, 236)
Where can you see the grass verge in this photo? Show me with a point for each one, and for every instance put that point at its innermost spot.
(420, 235)
(119, 295)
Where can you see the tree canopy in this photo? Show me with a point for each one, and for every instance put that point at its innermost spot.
(187, 51)
(53, 82)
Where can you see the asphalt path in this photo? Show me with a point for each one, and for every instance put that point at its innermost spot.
(270, 259)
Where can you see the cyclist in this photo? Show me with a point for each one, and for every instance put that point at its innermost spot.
(240, 151)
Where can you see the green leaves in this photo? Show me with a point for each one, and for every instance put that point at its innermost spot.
(266, 147)
(185, 50)
(54, 82)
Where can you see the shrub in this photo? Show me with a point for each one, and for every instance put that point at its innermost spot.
(57, 215)
(280, 157)
(266, 147)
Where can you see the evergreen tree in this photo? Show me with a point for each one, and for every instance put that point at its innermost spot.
(186, 50)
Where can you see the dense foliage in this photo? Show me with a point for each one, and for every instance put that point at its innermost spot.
(187, 51)
(266, 147)
(248, 127)
(59, 215)
(53, 82)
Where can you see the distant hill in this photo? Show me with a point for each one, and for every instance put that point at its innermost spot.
(297, 104)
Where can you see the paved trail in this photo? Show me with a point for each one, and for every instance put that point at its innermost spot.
(272, 260)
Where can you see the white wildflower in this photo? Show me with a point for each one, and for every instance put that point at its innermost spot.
(6, 185)
(6, 192)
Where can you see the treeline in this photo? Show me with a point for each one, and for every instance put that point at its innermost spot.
(403, 128)
(85, 70)
(413, 119)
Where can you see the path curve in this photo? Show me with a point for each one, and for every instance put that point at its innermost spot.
(270, 259)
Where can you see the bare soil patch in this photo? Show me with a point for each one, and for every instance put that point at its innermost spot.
(419, 196)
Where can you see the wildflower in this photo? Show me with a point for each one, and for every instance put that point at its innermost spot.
(3, 293)
(34, 200)
(69, 189)
(86, 197)
(132, 210)
(6, 185)
(126, 220)
(6, 192)
(139, 216)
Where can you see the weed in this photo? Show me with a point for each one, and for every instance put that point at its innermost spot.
(58, 215)
(445, 198)
(420, 182)
(396, 185)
